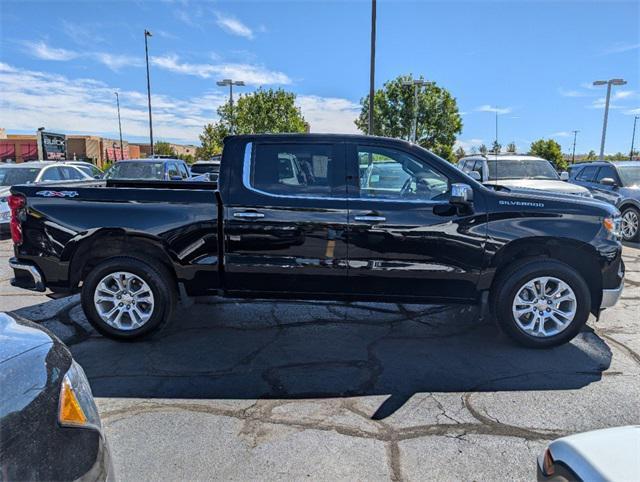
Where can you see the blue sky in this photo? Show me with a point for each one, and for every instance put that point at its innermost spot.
(533, 61)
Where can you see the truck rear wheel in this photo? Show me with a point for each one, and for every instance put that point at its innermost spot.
(541, 303)
(127, 298)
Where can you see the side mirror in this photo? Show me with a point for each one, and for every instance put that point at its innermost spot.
(461, 195)
(475, 175)
(564, 176)
(608, 181)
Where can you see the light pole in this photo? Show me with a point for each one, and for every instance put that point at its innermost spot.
(573, 152)
(417, 83)
(608, 83)
(372, 66)
(119, 125)
(146, 53)
(230, 83)
(633, 137)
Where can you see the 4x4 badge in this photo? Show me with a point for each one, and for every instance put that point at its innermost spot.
(57, 193)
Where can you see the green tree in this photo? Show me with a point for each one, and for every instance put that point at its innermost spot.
(163, 149)
(438, 120)
(460, 153)
(483, 149)
(511, 147)
(496, 147)
(549, 150)
(591, 156)
(261, 111)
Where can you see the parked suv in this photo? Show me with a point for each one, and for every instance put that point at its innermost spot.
(617, 183)
(152, 169)
(517, 171)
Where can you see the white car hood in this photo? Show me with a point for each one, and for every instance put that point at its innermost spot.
(608, 454)
(5, 191)
(541, 185)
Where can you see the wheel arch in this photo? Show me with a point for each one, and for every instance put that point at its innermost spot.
(109, 243)
(578, 255)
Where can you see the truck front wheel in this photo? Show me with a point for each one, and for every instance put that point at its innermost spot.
(127, 298)
(541, 303)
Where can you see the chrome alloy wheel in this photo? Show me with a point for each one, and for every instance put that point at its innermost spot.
(123, 300)
(630, 224)
(544, 306)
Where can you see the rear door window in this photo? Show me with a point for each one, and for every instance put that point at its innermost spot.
(294, 170)
(587, 174)
(604, 172)
(52, 174)
(71, 174)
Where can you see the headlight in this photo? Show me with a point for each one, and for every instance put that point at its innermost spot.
(76, 406)
(613, 225)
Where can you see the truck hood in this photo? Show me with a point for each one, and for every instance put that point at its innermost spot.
(549, 185)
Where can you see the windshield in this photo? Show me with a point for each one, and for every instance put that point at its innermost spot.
(521, 169)
(10, 176)
(629, 175)
(205, 168)
(136, 170)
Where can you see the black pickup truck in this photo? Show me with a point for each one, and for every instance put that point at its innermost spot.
(321, 217)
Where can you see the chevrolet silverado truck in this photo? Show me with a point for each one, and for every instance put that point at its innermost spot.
(320, 217)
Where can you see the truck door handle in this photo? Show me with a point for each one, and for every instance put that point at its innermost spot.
(248, 215)
(371, 219)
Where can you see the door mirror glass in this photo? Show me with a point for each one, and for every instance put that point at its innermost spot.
(461, 194)
(608, 181)
(564, 176)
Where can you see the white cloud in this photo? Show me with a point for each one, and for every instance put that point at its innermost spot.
(489, 108)
(635, 111)
(329, 114)
(42, 51)
(250, 74)
(562, 134)
(87, 106)
(620, 47)
(623, 94)
(233, 26)
(572, 93)
(116, 62)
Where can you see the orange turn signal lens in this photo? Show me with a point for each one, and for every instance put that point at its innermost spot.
(609, 225)
(548, 463)
(70, 411)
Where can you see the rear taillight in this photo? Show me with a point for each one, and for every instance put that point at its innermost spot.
(16, 205)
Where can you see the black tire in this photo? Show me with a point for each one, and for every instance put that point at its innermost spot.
(512, 280)
(634, 238)
(155, 275)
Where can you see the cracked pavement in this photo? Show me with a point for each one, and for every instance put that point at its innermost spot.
(240, 390)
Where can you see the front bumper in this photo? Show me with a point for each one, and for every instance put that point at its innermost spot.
(27, 276)
(611, 296)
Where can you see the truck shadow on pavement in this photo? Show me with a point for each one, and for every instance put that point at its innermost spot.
(225, 349)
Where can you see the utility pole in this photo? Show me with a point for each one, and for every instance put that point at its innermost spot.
(119, 126)
(230, 83)
(372, 71)
(608, 83)
(633, 137)
(417, 83)
(573, 152)
(146, 53)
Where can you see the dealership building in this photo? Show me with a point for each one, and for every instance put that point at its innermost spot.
(95, 149)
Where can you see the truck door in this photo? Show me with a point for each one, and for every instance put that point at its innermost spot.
(285, 221)
(406, 241)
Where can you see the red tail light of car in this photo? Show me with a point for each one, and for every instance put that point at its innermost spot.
(16, 205)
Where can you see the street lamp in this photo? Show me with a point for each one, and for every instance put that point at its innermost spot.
(372, 66)
(119, 125)
(633, 137)
(146, 53)
(417, 83)
(230, 83)
(608, 83)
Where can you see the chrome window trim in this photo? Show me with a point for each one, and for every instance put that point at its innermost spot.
(246, 182)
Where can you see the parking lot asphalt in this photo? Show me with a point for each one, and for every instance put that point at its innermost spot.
(241, 390)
